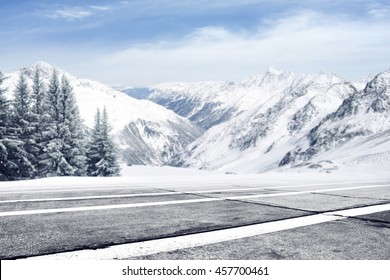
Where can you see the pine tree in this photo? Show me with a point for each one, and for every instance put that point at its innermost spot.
(71, 130)
(22, 102)
(4, 108)
(65, 152)
(23, 127)
(14, 160)
(4, 113)
(53, 106)
(53, 162)
(38, 117)
(51, 155)
(38, 96)
(102, 154)
(93, 148)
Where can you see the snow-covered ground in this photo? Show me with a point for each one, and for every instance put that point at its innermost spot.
(184, 177)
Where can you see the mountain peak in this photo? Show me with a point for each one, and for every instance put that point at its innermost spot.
(45, 69)
(42, 64)
(271, 76)
(274, 71)
(380, 83)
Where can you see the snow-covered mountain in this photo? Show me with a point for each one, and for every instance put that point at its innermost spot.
(145, 132)
(274, 121)
(362, 120)
(296, 120)
(211, 103)
(205, 103)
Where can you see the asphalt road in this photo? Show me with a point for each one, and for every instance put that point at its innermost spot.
(37, 222)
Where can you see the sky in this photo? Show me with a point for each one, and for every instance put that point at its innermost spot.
(145, 42)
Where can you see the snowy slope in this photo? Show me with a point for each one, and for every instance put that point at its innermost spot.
(205, 103)
(211, 103)
(276, 131)
(145, 132)
(137, 92)
(358, 130)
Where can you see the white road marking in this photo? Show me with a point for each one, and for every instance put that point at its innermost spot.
(307, 192)
(129, 187)
(104, 207)
(172, 202)
(130, 195)
(200, 239)
(172, 192)
(90, 197)
(139, 194)
(74, 189)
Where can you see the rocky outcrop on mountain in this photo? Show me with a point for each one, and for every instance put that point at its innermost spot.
(361, 115)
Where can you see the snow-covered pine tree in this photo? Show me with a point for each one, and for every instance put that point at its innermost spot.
(22, 101)
(22, 126)
(102, 154)
(14, 160)
(93, 147)
(71, 130)
(4, 113)
(4, 108)
(38, 118)
(64, 148)
(51, 157)
(38, 96)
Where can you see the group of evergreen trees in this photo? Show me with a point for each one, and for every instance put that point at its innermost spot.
(41, 134)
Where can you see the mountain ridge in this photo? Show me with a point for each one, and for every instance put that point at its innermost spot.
(280, 131)
(277, 120)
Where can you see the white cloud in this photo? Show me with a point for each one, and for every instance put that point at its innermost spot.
(306, 41)
(72, 13)
(100, 8)
(69, 13)
(379, 11)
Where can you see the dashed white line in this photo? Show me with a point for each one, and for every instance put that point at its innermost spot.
(199, 239)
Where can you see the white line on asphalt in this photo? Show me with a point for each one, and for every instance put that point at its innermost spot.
(90, 197)
(127, 187)
(140, 194)
(307, 192)
(172, 202)
(104, 207)
(132, 195)
(160, 194)
(200, 239)
(74, 189)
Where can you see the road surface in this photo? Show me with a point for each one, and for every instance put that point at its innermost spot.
(330, 220)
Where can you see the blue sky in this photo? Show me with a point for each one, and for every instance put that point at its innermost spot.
(144, 42)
